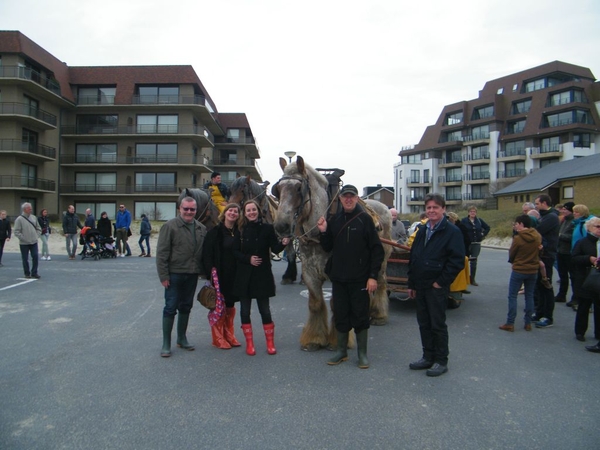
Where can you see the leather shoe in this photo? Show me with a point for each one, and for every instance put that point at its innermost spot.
(507, 327)
(436, 370)
(421, 364)
(593, 348)
(580, 337)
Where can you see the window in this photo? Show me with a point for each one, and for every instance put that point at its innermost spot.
(516, 126)
(32, 106)
(514, 169)
(426, 176)
(521, 107)
(454, 118)
(547, 162)
(482, 132)
(96, 95)
(581, 140)
(156, 153)
(535, 85)
(482, 112)
(561, 98)
(453, 193)
(480, 172)
(97, 209)
(150, 124)
(92, 182)
(411, 159)
(452, 136)
(550, 145)
(415, 176)
(29, 140)
(514, 148)
(155, 182)
(28, 175)
(233, 135)
(481, 152)
(453, 156)
(96, 153)
(568, 192)
(159, 94)
(479, 191)
(97, 124)
(156, 210)
(228, 157)
(453, 174)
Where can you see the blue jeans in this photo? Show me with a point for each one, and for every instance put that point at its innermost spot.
(144, 237)
(25, 250)
(179, 296)
(44, 238)
(516, 281)
(71, 244)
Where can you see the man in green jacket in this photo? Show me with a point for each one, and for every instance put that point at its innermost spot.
(27, 230)
(178, 262)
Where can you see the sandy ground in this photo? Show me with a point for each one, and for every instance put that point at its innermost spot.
(57, 244)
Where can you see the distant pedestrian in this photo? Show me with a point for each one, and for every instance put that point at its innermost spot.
(436, 257)
(104, 225)
(398, 230)
(478, 230)
(122, 224)
(70, 224)
(27, 230)
(5, 232)
(145, 230)
(44, 222)
(90, 220)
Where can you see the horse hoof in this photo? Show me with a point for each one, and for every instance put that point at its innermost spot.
(378, 322)
(286, 281)
(311, 347)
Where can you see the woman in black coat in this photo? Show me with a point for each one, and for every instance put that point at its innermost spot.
(583, 259)
(104, 225)
(217, 252)
(254, 278)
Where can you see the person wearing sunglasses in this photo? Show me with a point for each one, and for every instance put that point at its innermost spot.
(122, 224)
(179, 263)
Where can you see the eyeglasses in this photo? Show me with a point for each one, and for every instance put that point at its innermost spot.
(121, 207)
(189, 209)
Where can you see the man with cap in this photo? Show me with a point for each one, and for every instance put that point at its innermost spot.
(356, 258)
(563, 256)
(219, 192)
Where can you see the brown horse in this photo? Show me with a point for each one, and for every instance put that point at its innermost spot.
(303, 198)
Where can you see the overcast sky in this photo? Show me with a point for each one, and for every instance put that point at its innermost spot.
(343, 83)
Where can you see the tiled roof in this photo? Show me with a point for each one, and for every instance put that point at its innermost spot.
(541, 179)
(233, 120)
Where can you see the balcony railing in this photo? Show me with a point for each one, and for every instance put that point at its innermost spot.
(235, 140)
(12, 181)
(414, 179)
(120, 188)
(452, 197)
(415, 198)
(512, 173)
(27, 73)
(14, 145)
(453, 159)
(147, 159)
(476, 137)
(137, 129)
(548, 148)
(25, 109)
(473, 196)
(475, 156)
(449, 179)
(236, 162)
(94, 100)
(169, 100)
(476, 176)
(509, 153)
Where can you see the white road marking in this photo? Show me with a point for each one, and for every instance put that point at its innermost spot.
(25, 281)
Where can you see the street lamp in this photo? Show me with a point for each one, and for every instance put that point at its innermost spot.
(290, 155)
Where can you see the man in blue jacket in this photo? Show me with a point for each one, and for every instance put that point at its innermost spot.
(437, 256)
(122, 225)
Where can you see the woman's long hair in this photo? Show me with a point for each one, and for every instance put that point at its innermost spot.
(242, 221)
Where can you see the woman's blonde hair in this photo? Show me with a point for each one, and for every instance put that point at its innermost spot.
(227, 208)
(453, 217)
(581, 209)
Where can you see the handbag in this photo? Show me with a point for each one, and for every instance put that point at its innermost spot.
(207, 296)
(592, 281)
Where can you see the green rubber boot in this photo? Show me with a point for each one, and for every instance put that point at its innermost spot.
(361, 343)
(341, 354)
(167, 326)
(182, 324)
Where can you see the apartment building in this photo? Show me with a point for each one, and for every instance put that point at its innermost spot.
(518, 124)
(97, 137)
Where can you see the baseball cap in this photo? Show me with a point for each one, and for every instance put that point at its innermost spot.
(349, 189)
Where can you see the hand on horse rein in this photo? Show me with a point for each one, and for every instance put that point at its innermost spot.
(322, 224)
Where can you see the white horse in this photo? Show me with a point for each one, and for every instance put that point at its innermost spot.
(303, 198)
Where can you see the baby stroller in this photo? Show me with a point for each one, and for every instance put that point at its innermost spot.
(95, 245)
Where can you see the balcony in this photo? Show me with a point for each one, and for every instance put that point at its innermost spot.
(20, 147)
(415, 199)
(193, 131)
(113, 189)
(476, 138)
(32, 116)
(515, 173)
(477, 157)
(235, 162)
(546, 151)
(478, 177)
(453, 161)
(474, 196)
(170, 100)
(26, 183)
(450, 180)
(112, 159)
(29, 75)
(519, 154)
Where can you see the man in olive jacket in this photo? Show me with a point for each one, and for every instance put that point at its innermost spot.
(179, 262)
(437, 256)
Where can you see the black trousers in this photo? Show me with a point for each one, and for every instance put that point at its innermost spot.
(350, 305)
(431, 317)
(583, 314)
(263, 308)
(563, 262)
(544, 298)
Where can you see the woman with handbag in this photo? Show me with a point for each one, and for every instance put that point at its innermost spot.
(254, 278)
(584, 260)
(218, 253)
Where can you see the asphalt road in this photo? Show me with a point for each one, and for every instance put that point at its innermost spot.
(80, 369)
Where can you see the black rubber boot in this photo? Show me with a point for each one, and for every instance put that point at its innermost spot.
(167, 326)
(182, 324)
(361, 343)
(341, 354)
